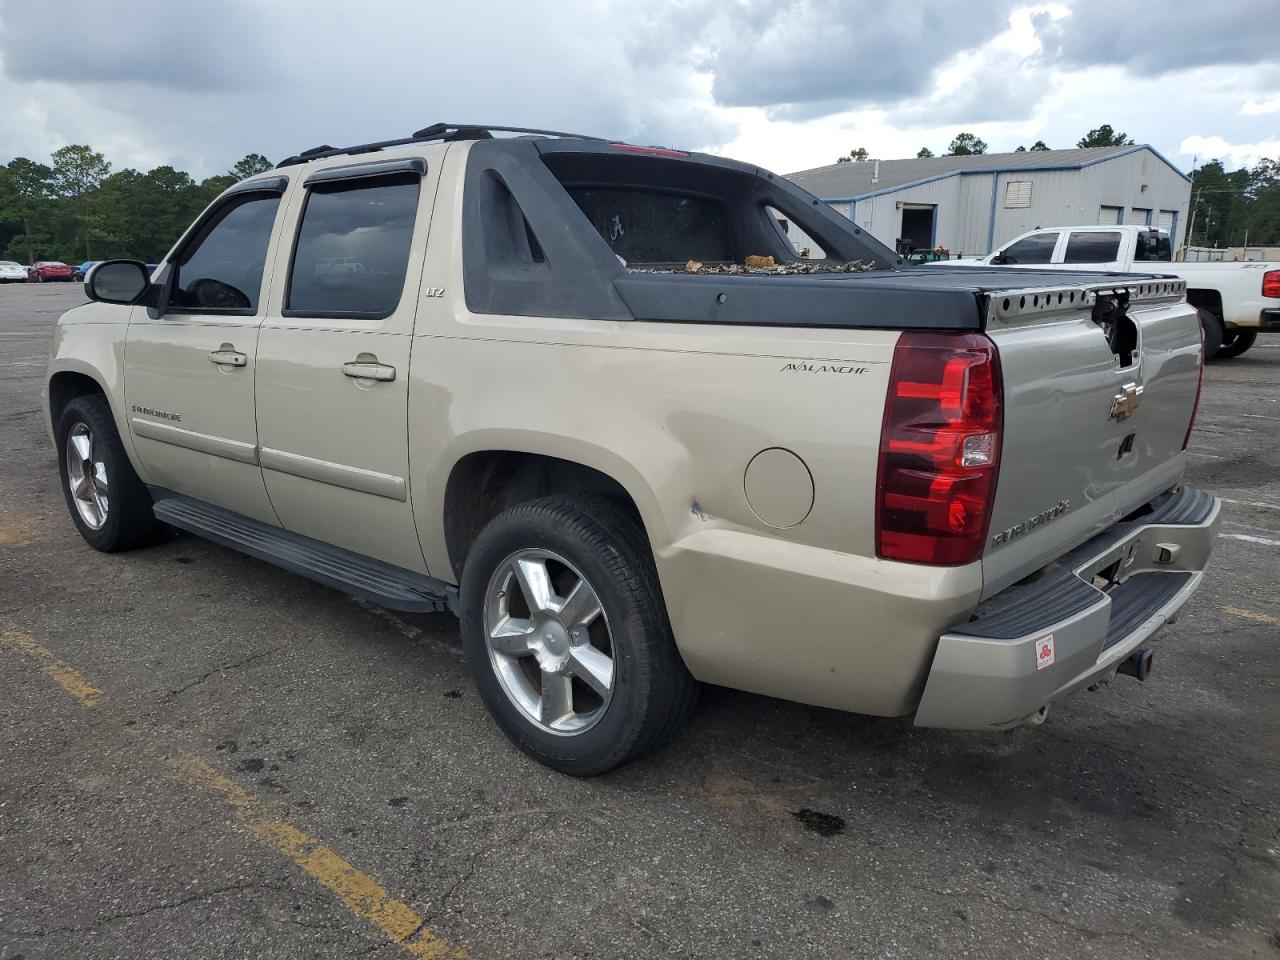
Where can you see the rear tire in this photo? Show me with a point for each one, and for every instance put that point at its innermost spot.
(1212, 329)
(1237, 342)
(109, 504)
(580, 692)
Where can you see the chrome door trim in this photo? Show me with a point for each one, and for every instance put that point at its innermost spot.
(335, 474)
(202, 442)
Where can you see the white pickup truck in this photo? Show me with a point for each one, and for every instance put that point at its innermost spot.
(1236, 301)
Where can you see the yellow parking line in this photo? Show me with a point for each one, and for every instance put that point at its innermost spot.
(358, 891)
(361, 894)
(1252, 615)
(64, 674)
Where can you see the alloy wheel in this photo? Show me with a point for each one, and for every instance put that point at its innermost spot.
(86, 477)
(549, 641)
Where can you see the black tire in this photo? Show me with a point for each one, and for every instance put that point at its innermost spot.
(130, 521)
(39, 278)
(1237, 342)
(1212, 328)
(653, 693)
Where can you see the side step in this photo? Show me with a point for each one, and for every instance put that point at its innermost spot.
(352, 573)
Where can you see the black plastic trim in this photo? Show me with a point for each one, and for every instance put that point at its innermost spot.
(266, 185)
(353, 573)
(359, 171)
(1028, 607)
(843, 300)
(1138, 598)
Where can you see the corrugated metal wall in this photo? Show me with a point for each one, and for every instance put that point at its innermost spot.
(968, 222)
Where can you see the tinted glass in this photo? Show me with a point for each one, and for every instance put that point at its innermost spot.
(1100, 247)
(223, 271)
(353, 248)
(650, 226)
(1037, 248)
(1153, 247)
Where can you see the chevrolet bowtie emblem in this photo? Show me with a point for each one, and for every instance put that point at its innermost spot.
(1126, 401)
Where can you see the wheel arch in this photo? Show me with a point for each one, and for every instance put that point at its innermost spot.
(483, 478)
(1207, 299)
(67, 384)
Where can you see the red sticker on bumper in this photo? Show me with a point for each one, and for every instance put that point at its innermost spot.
(1044, 652)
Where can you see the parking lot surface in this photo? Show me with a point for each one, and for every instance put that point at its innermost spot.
(204, 756)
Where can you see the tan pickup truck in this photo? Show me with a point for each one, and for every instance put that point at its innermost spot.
(531, 379)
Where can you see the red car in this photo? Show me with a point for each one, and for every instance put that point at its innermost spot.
(45, 270)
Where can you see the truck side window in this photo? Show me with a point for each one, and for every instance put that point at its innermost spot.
(1037, 248)
(352, 249)
(1092, 246)
(221, 269)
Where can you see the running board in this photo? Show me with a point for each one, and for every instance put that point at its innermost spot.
(353, 573)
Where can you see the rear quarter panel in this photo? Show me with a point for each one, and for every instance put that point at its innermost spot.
(675, 413)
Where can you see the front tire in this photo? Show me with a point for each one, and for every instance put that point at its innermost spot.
(1237, 342)
(566, 634)
(109, 504)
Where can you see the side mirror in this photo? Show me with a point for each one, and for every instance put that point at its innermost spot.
(118, 281)
(998, 259)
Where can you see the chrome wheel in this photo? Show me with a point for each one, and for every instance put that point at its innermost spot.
(549, 641)
(86, 477)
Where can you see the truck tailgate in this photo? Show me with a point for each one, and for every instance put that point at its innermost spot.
(1100, 383)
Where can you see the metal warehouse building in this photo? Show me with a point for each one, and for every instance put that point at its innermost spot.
(973, 204)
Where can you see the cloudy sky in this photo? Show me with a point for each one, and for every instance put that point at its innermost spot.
(788, 84)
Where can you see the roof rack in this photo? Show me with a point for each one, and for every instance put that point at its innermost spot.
(437, 131)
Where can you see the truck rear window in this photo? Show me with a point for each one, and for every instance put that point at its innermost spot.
(656, 226)
(1153, 247)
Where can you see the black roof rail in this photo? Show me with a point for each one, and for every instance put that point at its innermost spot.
(437, 131)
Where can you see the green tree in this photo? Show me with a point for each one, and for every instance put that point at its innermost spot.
(1104, 136)
(1038, 146)
(855, 156)
(966, 144)
(78, 173)
(78, 169)
(924, 152)
(252, 163)
(27, 200)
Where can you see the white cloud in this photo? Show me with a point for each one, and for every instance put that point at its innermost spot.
(811, 79)
(1231, 154)
(1254, 106)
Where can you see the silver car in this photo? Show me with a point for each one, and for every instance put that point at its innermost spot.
(11, 272)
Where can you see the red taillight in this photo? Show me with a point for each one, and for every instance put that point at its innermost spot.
(1271, 283)
(939, 449)
(1195, 407)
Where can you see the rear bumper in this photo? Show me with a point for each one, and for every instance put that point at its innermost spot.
(1039, 641)
(1269, 321)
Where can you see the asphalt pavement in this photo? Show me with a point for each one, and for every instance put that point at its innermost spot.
(203, 756)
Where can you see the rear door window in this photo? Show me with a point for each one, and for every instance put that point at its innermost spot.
(1092, 246)
(352, 250)
(220, 271)
(1037, 248)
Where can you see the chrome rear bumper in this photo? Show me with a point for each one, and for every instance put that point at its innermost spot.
(1073, 624)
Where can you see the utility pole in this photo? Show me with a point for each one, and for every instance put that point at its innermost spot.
(1195, 204)
(1195, 158)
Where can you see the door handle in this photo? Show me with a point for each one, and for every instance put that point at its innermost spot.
(228, 358)
(369, 370)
